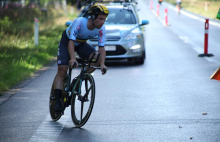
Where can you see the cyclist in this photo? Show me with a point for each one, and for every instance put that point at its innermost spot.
(178, 5)
(74, 39)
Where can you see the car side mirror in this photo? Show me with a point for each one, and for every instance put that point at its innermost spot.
(68, 23)
(144, 22)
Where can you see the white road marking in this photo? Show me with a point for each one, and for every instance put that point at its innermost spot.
(195, 17)
(186, 39)
(49, 131)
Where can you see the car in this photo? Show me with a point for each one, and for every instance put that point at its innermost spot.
(125, 37)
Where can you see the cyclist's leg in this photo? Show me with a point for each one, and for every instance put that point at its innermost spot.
(58, 84)
(60, 76)
(86, 50)
(62, 61)
(52, 103)
(96, 63)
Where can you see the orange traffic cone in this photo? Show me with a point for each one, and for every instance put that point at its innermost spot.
(216, 75)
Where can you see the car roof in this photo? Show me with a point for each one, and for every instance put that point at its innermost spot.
(118, 6)
(111, 5)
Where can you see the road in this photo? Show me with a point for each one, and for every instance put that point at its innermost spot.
(168, 99)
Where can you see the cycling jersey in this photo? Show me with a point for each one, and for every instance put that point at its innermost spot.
(78, 32)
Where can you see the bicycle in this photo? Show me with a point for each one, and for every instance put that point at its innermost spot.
(73, 94)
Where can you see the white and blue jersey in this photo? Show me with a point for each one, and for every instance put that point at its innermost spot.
(78, 32)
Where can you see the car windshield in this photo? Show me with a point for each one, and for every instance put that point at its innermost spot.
(120, 16)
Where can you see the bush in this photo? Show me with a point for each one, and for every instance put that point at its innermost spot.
(5, 24)
(16, 15)
(19, 57)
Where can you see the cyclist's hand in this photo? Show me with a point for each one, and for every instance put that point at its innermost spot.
(103, 69)
(72, 61)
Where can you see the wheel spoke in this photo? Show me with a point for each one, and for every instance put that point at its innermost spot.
(86, 84)
(81, 117)
(87, 90)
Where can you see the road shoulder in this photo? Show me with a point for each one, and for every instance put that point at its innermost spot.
(7, 94)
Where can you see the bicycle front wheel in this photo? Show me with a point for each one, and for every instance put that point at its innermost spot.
(82, 109)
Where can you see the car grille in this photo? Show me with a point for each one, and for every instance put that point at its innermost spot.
(119, 51)
(112, 38)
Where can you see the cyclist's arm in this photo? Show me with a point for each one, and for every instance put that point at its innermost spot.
(72, 32)
(102, 54)
(101, 43)
(71, 49)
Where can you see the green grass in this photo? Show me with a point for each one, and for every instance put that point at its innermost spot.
(22, 58)
(198, 7)
(19, 57)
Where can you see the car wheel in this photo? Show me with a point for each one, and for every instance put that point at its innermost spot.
(140, 61)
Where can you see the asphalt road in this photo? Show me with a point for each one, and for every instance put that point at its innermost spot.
(168, 99)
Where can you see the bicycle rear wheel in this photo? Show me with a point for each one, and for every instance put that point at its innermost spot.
(56, 116)
(52, 101)
(81, 109)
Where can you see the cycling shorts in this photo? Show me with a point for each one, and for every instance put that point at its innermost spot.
(84, 50)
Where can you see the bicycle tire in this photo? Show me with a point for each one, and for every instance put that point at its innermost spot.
(52, 101)
(79, 121)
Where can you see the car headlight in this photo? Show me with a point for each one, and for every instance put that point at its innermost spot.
(133, 35)
(136, 48)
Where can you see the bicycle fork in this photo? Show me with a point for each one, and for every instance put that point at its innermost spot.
(83, 98)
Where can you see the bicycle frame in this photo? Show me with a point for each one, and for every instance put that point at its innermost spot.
(80, 79)
(72, 89)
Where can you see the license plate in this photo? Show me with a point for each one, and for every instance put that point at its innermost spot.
(110, 48)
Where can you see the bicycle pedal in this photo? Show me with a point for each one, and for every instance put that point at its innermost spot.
(86, 99)
(80, 98)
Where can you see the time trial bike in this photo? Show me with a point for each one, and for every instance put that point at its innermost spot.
(79, 93)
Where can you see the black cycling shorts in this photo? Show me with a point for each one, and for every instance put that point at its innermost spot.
(84, 50)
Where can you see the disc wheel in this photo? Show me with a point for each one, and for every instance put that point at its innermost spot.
(81, 109)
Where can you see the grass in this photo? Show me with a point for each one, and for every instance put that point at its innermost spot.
(19, 57)
(198, 7)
